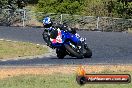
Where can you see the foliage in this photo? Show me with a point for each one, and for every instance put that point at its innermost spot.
(112, 8)
(31, 1)
(60, 6)
(123, 9)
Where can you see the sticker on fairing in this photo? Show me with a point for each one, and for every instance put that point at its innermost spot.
(82, 39)
(58, 38)
(77, 35)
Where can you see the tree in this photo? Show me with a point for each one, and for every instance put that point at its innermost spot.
(7, 12)
(123, 8)
(21, 4)
(60, 6)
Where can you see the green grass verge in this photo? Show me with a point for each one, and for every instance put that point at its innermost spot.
(52, 81)
(10, 49)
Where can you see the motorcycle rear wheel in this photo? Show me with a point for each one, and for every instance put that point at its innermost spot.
(60, 54)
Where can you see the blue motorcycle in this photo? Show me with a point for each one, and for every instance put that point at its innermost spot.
(66, 43)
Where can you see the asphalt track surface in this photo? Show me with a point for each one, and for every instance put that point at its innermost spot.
(107, 47)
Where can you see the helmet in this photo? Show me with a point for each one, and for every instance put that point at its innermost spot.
(47, 22)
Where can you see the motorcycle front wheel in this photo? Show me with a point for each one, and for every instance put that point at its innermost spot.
(88, 52)
(73, 52)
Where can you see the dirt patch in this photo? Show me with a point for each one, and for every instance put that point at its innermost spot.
(15, 71)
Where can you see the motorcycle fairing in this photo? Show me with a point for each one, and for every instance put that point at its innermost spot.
(58, 38)
(63, 36)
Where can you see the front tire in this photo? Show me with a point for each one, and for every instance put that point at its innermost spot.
(73, 52)
(88, 52)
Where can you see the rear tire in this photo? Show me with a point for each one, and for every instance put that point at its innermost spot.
(73, 52)
(60, 56)
(60, 53)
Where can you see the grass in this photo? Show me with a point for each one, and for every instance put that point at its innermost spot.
(53, 81)
(10, 49)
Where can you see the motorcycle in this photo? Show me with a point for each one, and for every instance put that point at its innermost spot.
(67, 43)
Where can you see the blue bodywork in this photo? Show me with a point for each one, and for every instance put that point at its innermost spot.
(65, 35)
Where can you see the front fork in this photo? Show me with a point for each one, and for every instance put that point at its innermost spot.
(82, 48)
(82, 45)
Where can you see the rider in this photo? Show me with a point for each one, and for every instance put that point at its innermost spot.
(48, 25)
